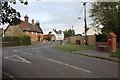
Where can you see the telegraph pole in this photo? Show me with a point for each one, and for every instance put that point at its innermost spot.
(85, 40)
(72, 30)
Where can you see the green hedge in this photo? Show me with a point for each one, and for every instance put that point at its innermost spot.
(16, 41)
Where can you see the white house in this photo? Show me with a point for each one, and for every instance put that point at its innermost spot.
(93, 31)
(59, 35)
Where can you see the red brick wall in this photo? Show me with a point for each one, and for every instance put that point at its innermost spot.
(102, 43)
(105, 44)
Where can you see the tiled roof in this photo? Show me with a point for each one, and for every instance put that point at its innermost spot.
(29, 27)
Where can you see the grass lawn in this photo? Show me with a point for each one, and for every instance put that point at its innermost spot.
(72, 47)
(116, 54)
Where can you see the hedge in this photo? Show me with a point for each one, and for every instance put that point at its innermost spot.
(16, 41)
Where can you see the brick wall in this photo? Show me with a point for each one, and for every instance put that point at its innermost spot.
(91, 40)
(106, 44)
(13, 31)
(102, 43)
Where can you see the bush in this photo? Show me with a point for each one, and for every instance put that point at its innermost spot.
(24, 40)
(16, 41)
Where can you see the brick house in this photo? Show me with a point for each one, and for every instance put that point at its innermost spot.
(24, 28)
(52, 37)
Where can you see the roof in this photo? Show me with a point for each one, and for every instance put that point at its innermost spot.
(57, 32)
(29, 27)
(112, 34)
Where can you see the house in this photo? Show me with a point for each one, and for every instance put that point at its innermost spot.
(50, 36)
(24, 28)
(59, 35)
(93, 31)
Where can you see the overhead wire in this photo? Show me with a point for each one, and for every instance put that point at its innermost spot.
(78, 15)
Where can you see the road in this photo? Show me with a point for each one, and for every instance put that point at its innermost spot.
(42, 61)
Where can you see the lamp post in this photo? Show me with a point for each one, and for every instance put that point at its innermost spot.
(72, 30)
(85, 30)
(85, 40)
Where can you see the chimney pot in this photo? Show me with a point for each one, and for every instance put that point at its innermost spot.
(26, 18)
(33, 22)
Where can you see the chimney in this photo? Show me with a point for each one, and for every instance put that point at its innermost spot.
(26, 18)
(33, 22)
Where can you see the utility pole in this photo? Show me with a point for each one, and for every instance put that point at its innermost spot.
(72, 30)
(85, 40)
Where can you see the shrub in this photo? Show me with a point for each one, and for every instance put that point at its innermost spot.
(24, 40)
(16, 41)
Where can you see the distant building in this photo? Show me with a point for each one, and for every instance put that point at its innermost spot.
(24, 28)
(49, 36)
(59, 35)
(93, 31)
(54, 35)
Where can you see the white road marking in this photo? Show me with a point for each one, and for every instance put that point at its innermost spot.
(8, 75)
(32, 48)
(22, 59)
(5, 51)
(69, 65)
(21, 52)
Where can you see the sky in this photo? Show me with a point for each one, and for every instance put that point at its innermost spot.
(56, 15)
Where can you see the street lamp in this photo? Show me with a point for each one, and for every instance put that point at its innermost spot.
(85, 30)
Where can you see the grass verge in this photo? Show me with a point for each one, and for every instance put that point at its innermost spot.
(115, 54)
(72, 47)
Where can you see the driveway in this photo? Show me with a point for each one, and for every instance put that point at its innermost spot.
(42, 61)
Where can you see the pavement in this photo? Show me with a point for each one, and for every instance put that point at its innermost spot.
(43, 61)
(97, 54)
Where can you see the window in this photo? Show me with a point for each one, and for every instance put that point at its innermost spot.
(32, 33)
(27, 32)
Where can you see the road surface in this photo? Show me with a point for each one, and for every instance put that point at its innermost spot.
(42, 61)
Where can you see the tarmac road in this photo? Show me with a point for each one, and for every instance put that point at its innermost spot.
(42, 61)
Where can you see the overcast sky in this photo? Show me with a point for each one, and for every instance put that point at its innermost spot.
(55, 15)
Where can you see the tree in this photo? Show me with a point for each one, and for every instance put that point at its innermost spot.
(69, 33)
(38, 24)
(8, 14)
(107, 15)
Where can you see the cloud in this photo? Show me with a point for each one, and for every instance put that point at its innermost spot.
(52, 15)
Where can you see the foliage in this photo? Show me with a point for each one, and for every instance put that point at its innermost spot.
(69, 33)
(8, 14)
(24, 40)
(16, 41)
(107, 15)
(101, 38)
(38, 24)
